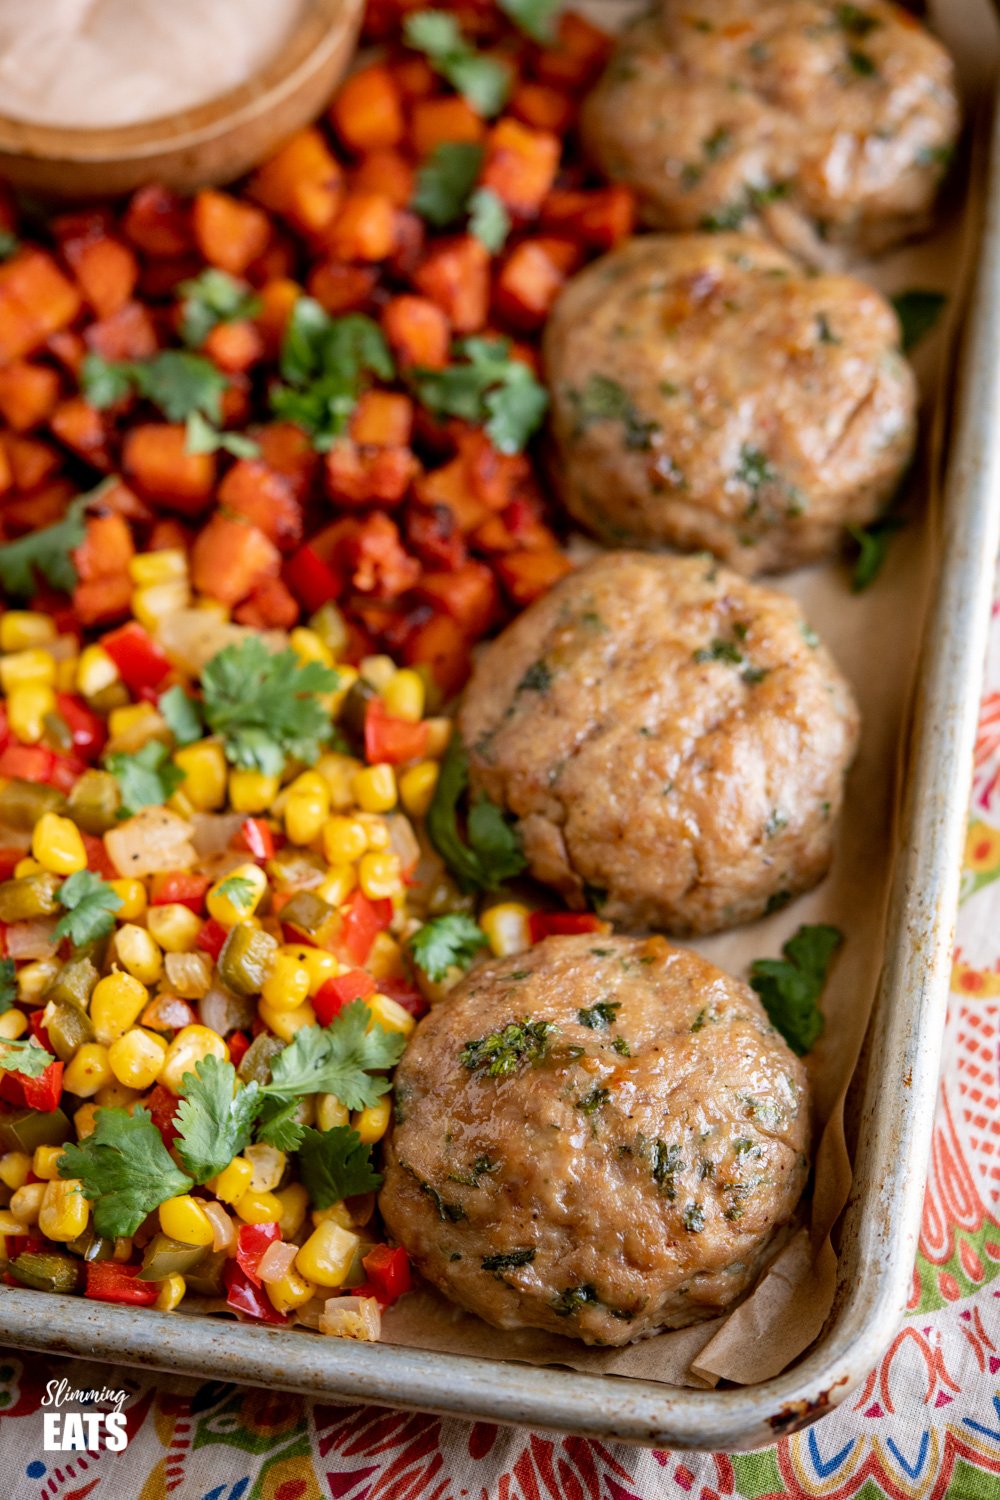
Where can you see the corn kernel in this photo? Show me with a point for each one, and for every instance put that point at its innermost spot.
(290, 1292)
(139, 953)
(95, 671)
(184, 1219)
(346, 678)
(85, 1121)
(213, 607)
(378, 671)
(14, 1169)
(417, 786)
(64, 1211)
(9, 1225)
(389, 1014)
(258, 1208)
(233, 1181)
(379, 877)
(115, 1095)
(294, 1202)
(57, 845)
(26, 1202)
(66, 674)
(13, 1024)
(171, 1293)
(337, 884)
(205, 774)
(165, 566)
(191, 1045)
(385, 957)
(376, 831)
(87, 1070)
(344, 840)
(131, 720)
(27, 708)
(26, 866)
(137, 1057)
(22, 629)
(235, 898)
(285, 1023)
(173, 926)
(318, 964)
(506, 928)
(36, 665)
(115, 1004)
(252, 791)
(374, 788)
(372, 1122)
(308, 646)
(34, 978)
(330, 1112)
(307, 807)
(404, 695)
(287, 985)
(326, 1256)
(151, 605)
(43, 1163)
(132, 895)
(338, 771)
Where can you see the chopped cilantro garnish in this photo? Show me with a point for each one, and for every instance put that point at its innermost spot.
(573, 1298)
(201, 437)
(445, 182)
(212, 298)
(8, 984)
(125, 1169)
(485, 385)
(146, 777)
(24, 1055)
(593, 1100)
(447, 942)
(177, 382)
(790, 987)
(324, 363)
(489, 220)
(342, 1059)
(335, 1164)
(265, 706)
(599, 1016)
(48, 553)
(215, 1117)
(491, 852)
(239, 890)
(873, 545)
(535, 18)
(482, 81)
(182, 715)
(518, 1044)
(90, 906)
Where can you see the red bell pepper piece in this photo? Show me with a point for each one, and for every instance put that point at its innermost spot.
(42, 1093)
(8, 859)
(27, 763)
(4, 726)
(543, 924)
(139, 659)
(180, 888)
(363, 920)
(212, 939)
(162, 1106)
(107, 1281)
(333, 994)
(312, 581)
(242, 1296)
(38, 1031)
(388, 1271)
(405, 994)
(87, 729)
(238, 1043)
(98, 858)
(390, 739)
(253, 1241)
(256, 837)
(66, 772)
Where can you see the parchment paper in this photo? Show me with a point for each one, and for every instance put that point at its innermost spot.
(876, 638)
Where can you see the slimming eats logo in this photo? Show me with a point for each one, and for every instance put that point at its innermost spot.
(75, 1431)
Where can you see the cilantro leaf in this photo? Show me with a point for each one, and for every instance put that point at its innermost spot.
(490, 388)
(873, 545)
(176, 381)
(201, 437)
(323, 363)
(482, 81)
(125, 1170)
(212, 298)
(8, 984)
(104, 382)
(277, 1124)
(24, 1056)
(146, 778)
(48, 552)
(338, 1059)
(447, 942)
(534, 17)
(489, 220)
(790, 987)
(90, 907)
(445, 180)
(239, 890)
(215, 1117)
(265, 706)
(518, 1044)
(917, 311)
(182, 715)
(492, 852)
(334, 1165)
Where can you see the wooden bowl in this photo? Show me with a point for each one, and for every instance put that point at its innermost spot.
(211, 143)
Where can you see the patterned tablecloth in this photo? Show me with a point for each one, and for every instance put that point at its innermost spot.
(924, 1426)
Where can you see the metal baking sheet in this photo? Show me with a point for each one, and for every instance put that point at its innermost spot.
(893, 1127)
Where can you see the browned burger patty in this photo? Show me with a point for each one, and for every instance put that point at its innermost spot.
(671, 739)
(813, 121)
(598, 1137)
(708, 393)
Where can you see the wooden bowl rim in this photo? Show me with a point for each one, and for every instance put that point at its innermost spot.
(318, 32)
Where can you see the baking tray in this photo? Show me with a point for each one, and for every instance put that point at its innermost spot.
(878, 1235)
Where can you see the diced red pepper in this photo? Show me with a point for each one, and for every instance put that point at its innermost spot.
(543, 924)
(242, 1296)
(65, 772)
(311, 579)
(162, 1106)
(4, 726)
(388, 1271)
(108, 1281)
(98, 858)
(180, 888)
(87, 729)
(363, 920)
(238, 1043)
(138, 658)
(390, 739)
(405, 994)
(38, 1031)
(256, 836)
(253, 1241)
(212, 939)
(42, 1093)
(333, 994)
(27, 763)
(22, 1244)
(8, 859)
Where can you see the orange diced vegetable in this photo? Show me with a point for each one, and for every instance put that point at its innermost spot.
(455, 274)
(361, 476)
(32, 461)
(440, 645)
(528, 575)
(270, 606)
(230, 558)
(83, 430)
(435, 122)
(155, 456)
(387, 172)
(302, 182)
(40, 508)
(105, 268)
(285, 447)
(340, 288)
(601, 217)
(384, 419)
(469, 594)
(367, 110)
(128, 333)
(364, 229)
(102, 601)
(28, 394)
(542, 107)
(230, 234)
(158, 222)
(234, 347)
(521, 165)
(277, 298)
(68, 348)
(106, 549)
(265, 497)
(578, 54)
(414, 76)
(417, 331)
(527, 284)
(450, 488)
(36, 300)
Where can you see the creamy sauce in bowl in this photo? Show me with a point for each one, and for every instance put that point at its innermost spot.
(99, 63)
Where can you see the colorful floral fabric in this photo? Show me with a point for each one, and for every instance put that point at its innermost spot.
(924, 1426)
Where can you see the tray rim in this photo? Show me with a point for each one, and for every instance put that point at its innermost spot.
(881, 1222)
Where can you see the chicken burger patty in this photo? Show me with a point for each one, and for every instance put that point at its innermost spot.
(707, 393)
(598, 1137)
(671, 739)
(814, 122)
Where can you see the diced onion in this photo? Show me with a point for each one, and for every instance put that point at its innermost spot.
(268, 1167)
(403, 842)
(31, 939)
(190, 974)
(193, 636)
(223, 1228)
(153, 841)
(212, 833)
(276, 1262)
(222, 1011)
(352, 1318)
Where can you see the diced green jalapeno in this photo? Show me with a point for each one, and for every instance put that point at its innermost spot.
(74, 984)
(165, 1257)
(90, 1246)
(255, 1064)
(30, 897)
(310, 915)
(22, 803)
(246, 959)
(68, 1027)
(24, 1129)
(205, 1279)
(45, 1272)
(95, 801)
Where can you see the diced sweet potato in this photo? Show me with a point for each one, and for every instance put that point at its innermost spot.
(414, 76)
(578, 54)
(542, 107)
(365, 476)
(83, 430)
(235, 347)
(449, 486)
(38, 508)
(434, 122)
(230, 558)
(440, 645)
(104, 600)
(455, 274)
(599, 217)
(31, 460)
(128, 333)
(266, 498)
(387, 172)
(417, 331)
(230, 234)
(271, 606)
(106, 549)
(285, 447)
(364, 229)
(68, 348)
(168, 533)
(410, 242)
(340, 288)
(493, 477)
(367, 110)
(528, 575)
(527, 284)
(106, 270)
(277, 298)
(155, 457)
(28, 394)
(433, 534)
(36, 301)
(158, 222)
(520, 165)
(469, 594)
(302, 182)
(383, 419)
